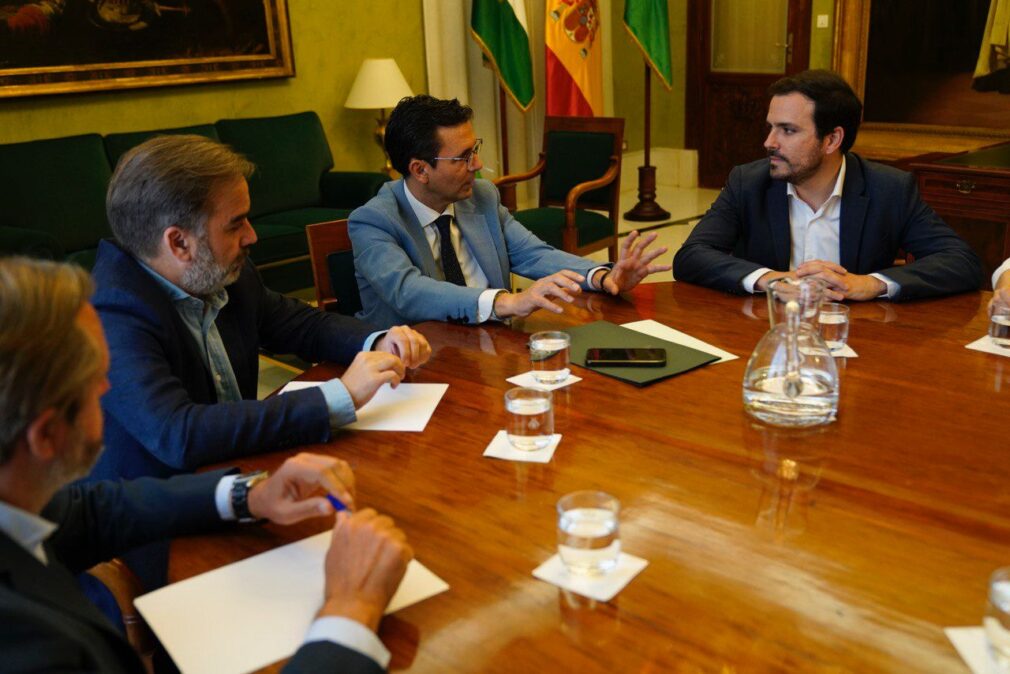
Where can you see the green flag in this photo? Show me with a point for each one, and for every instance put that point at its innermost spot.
(500, 28)
(648, 23)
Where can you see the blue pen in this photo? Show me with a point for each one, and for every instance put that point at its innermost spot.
(337, 505)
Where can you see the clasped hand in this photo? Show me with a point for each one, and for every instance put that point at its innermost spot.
(400, 348)
(841, 285)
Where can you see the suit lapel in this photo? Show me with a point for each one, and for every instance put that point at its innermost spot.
(473, 226)
(853, 216)
(416, 232)
(778, 223)
(52, 585)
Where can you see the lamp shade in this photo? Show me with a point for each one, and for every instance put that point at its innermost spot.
(379, 84)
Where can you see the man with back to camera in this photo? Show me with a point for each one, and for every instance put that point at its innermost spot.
(186, 314)
(814, 209)
(438, 244)
(53, 370)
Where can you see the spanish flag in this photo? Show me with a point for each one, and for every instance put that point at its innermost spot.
(574, 58)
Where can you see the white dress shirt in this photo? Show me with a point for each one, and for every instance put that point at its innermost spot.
(815, 235)
(472, 273)
(30, 531)
(1005, 267)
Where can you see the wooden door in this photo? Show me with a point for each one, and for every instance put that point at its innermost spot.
(736, 49)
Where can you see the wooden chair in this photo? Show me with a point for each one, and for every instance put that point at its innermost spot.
(125, 587)
(333, 267)
(579, 169)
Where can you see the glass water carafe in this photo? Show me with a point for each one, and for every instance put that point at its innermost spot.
(791, 378)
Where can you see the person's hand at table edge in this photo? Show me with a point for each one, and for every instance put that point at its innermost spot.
(364, 565)
(407, 344)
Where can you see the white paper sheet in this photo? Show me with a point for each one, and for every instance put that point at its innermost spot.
(408, 407)
(970, 645)
(845, 352)
(656, 329)
(247, 615)
(600, 588)
(985, 344)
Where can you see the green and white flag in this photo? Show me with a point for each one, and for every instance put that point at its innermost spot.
(501, 30)
(648, 23)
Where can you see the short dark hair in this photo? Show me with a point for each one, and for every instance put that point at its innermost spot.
(412, 130)
(835, 103)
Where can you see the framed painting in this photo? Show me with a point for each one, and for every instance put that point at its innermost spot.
(911, 62)
(64, 46)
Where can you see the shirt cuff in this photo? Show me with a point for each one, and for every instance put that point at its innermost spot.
(485, 304)
(222, 498)
(892, 288)
(1003, 268)
(751, 279)
(592, 273)
(349, 634)
(339, 403)
(372, 339)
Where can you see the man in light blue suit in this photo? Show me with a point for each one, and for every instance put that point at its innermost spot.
(438, 244)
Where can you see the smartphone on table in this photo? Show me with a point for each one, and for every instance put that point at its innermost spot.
(626, 357)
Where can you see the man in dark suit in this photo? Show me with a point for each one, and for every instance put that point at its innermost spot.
(53, 371)
(812, 208)
(438, 245)
(186, 315)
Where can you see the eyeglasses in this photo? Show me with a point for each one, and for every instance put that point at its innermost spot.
(467, 157)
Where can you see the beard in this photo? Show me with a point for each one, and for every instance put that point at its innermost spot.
(794, 173)
(204, 276)
(78, 462)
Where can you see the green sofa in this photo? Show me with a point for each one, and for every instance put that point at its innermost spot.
(55, 191)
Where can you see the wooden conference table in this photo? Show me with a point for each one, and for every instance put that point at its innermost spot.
(841, 549)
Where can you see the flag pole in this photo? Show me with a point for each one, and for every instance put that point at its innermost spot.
(504, 131)
(647, 209)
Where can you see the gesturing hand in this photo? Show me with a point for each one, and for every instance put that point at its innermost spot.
(368, 371)
(297, 490)
(633, 264)
(561, 285)
(366, 561)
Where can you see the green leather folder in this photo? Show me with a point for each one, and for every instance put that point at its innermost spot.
(604, 334)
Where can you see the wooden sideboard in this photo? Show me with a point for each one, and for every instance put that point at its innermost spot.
(971, 192)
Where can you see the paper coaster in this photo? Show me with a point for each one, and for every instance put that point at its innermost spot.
(526, 379)
(600, 588)
(985, 345)
(844, 352)
(970, 645)
(499, 448)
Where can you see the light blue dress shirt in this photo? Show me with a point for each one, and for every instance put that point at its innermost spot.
(200, 316)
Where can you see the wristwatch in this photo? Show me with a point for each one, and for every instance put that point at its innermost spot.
(494, 316)
(240, 494)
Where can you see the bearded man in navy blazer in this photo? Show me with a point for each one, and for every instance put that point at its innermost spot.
(812, 208)
(186, 315)
(438, 245)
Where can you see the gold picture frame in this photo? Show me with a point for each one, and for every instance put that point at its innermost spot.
(73, 46)
(888, 140)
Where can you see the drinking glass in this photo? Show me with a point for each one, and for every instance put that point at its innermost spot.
(999, 325)
(549, 356)
(997, 620)
(530, 418)
(834, 325)
(588, 532)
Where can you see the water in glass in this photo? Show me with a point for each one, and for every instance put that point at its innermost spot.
(999, 329)
(530, 418)
(834, 325)
(549, 352)
(588, 540)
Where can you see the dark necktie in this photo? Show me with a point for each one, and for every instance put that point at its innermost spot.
(450, 263)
